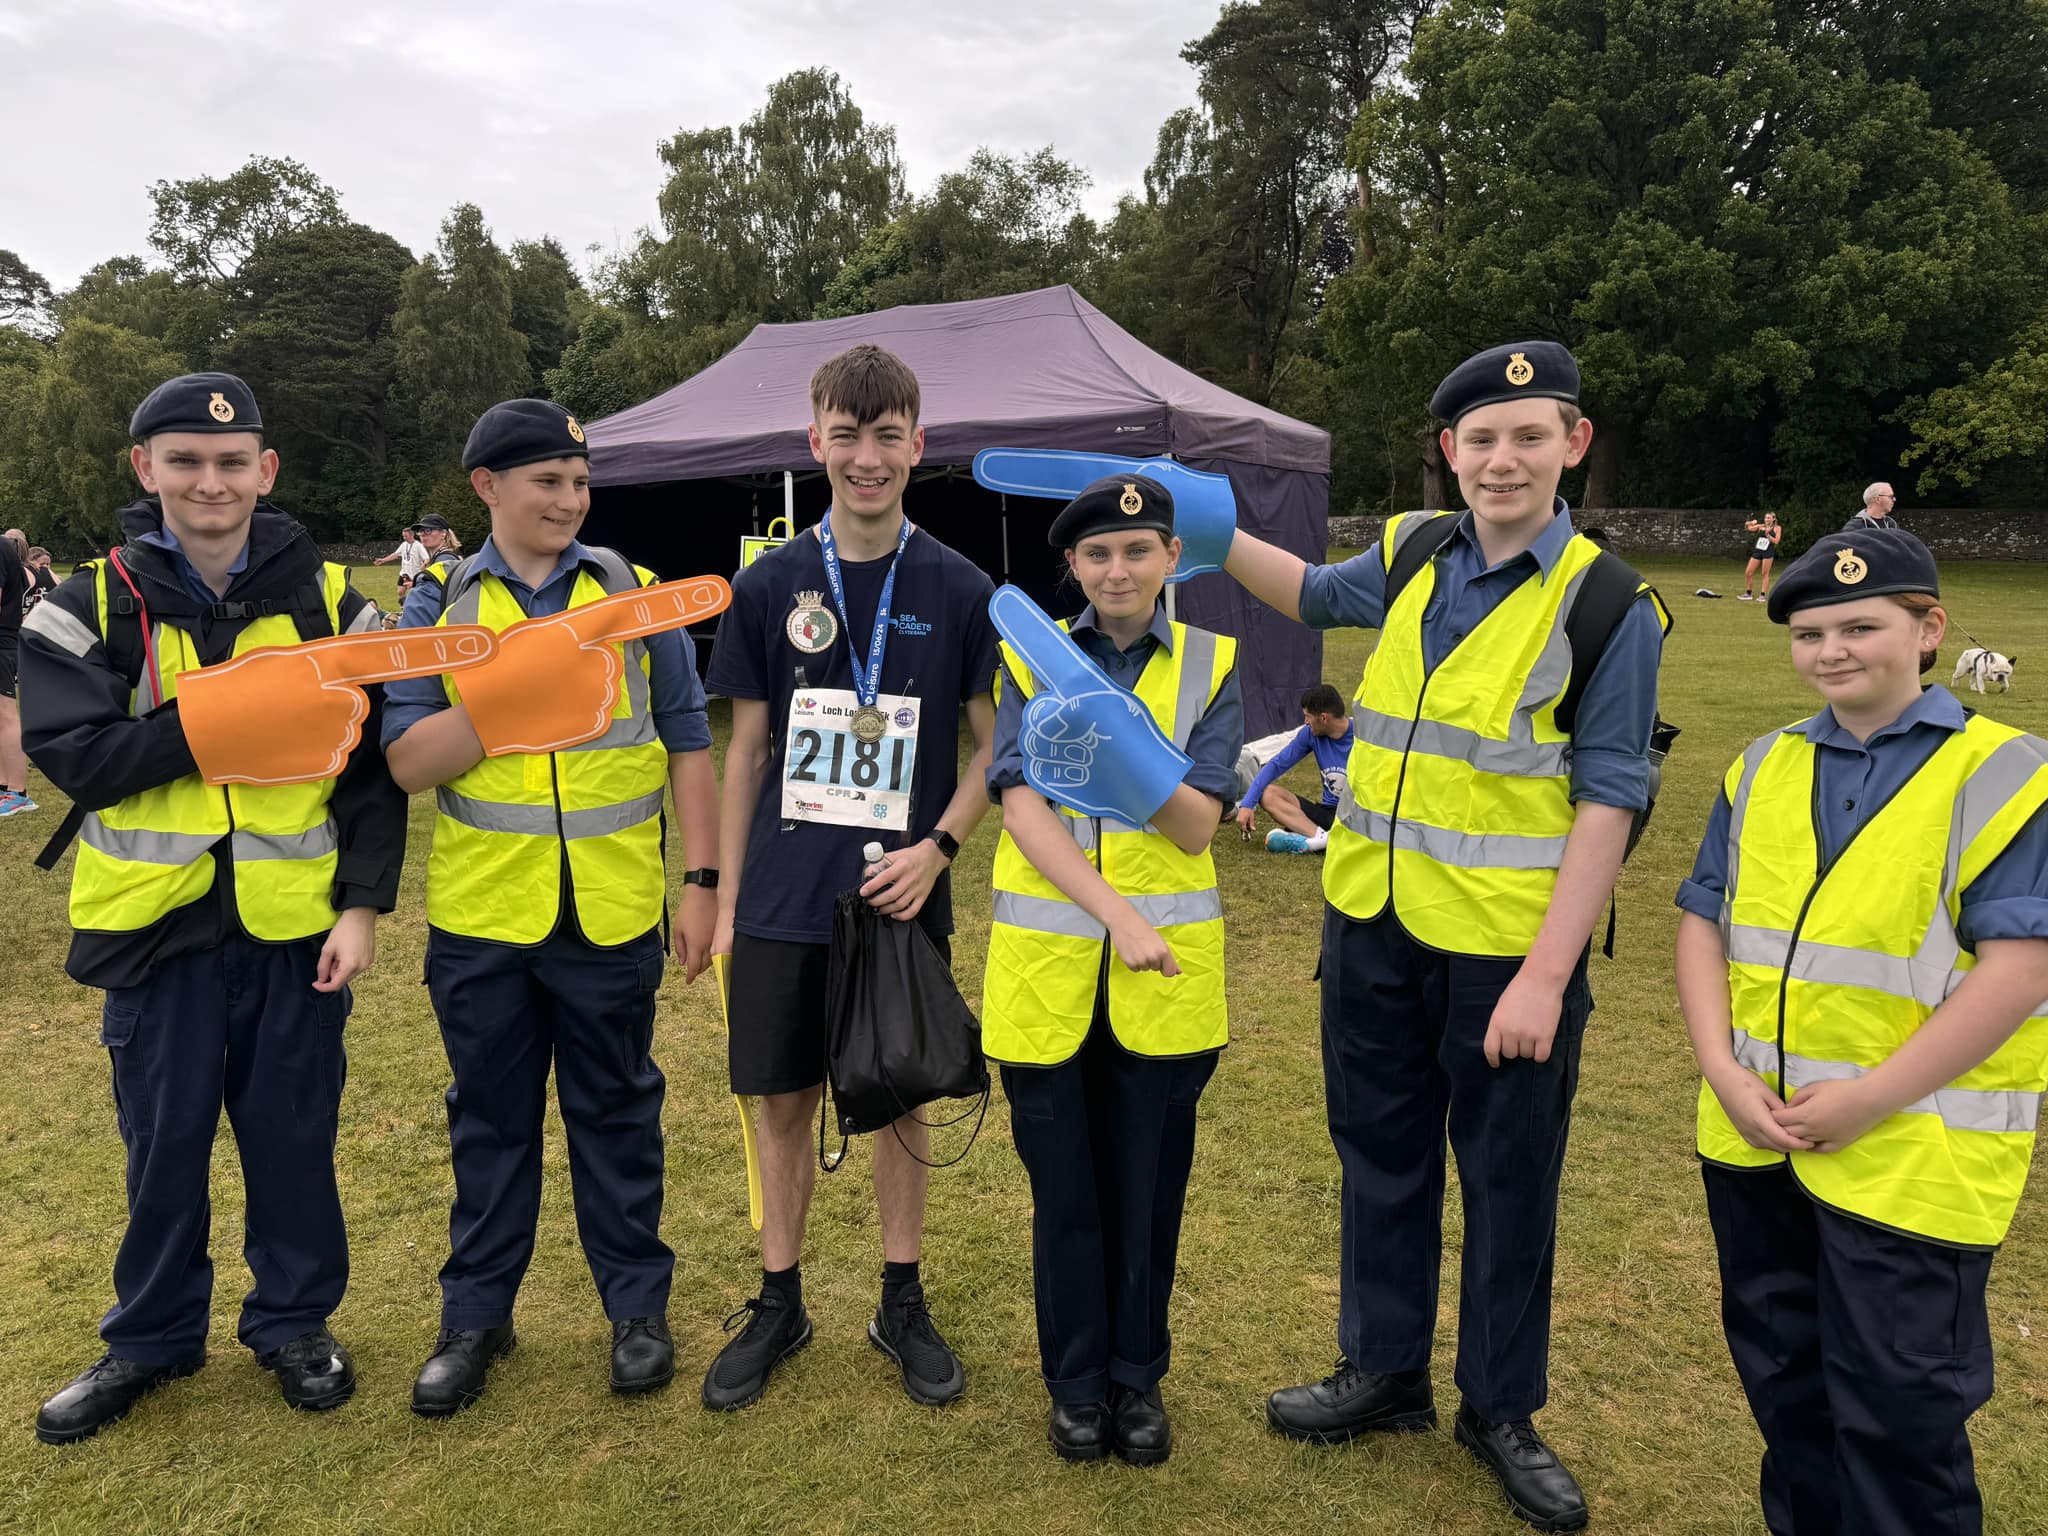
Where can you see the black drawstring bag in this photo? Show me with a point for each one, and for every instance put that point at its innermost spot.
(897, 1032)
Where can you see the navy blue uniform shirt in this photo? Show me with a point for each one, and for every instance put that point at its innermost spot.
(1610, 738)
(1217, 738)
(941, 648)
(675, 698)
(1853, 780)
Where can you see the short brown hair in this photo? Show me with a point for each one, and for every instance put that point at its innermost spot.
(867, 382)
(37, 552)
(1572, 416)
(1917, 604)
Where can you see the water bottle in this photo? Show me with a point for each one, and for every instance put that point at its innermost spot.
(872, 860)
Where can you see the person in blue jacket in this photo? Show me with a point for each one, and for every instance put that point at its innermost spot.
(1304, 823)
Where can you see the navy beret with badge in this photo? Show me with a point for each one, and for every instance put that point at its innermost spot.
(516, 432)
(1113, 504)
(196, 402)
(1870, 562)
(1521, 370)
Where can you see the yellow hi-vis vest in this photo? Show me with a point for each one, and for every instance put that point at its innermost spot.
(1045, 955)
(499, 840)
(1457, 802)
(1830, 972)
(141, 859)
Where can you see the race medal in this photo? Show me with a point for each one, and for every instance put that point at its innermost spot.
(811, 626)
(869, 723)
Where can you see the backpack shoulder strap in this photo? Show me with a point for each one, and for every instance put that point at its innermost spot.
(1610, 589)
(1418, 539)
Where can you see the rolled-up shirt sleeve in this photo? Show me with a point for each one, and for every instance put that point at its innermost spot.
(410, 700)
(1351, 594)
(1006, 754)
(675, 694)
(2010, 899)
(1611, 736)
(1705, 891)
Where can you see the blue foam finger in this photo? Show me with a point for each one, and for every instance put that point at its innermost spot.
(1204, 505)
(1048, 652)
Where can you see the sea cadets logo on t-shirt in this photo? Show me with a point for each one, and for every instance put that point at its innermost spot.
(909, 624)
(811, 626)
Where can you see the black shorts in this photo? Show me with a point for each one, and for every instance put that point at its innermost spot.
(1324, 816)
(10, 662)
(776, 1042)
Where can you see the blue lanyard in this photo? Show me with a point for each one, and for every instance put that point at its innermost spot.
(867, 684)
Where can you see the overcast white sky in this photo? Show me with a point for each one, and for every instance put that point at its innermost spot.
(544, 114)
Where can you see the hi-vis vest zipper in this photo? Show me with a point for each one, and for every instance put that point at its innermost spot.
(1457, 803)
(496, 869)
(142, 858)
(1045, 954)
(1831, 967)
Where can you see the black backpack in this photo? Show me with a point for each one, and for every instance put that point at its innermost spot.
(1610, 588)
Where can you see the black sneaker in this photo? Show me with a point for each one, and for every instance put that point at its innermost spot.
(773, 1333)
(904, 1331)
(313, 1372)
(1351, 1402)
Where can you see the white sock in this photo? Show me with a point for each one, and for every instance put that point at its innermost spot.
(1317, 840)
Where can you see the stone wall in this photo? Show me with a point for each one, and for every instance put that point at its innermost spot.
(1968, 533)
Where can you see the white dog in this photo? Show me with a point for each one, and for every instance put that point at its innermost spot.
(1982, 667)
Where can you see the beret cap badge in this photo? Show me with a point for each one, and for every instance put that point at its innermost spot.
(1520, 370)
(218, 407)
(1131, 503)
(576, 429)
(1850, 568)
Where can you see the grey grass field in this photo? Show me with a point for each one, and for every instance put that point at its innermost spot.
(1644, 1403)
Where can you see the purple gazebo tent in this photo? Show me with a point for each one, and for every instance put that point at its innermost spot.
(716, 456)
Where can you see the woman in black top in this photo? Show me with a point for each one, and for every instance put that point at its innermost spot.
(1761, 553)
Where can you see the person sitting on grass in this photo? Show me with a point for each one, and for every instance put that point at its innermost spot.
(1304, 823)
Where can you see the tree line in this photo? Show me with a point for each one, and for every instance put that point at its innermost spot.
(1795, 244)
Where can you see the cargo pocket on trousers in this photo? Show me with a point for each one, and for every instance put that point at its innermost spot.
(330, 1016)
(118, 1023)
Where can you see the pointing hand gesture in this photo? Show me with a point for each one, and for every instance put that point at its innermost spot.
(292, 714)
(555, 681)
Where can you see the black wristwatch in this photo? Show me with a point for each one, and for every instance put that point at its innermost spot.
(708, 878)
(949, 845)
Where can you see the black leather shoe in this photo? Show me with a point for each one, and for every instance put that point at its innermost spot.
(905, 1332)
(1351, 1402)
(312, 1371)
(1538, 1487)
(1079, 1433)
(775, 1330)
(100, 1394)
(643, 1355)
(1138, 1425)
(453, 1376)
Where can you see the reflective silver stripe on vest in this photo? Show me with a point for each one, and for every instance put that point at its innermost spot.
(315, 844)
(1515, 759)
(1460, 850)
(1046, 914)
(541, 821)
(1836, 965)
(1082, 830)
(1960, 1109)
(64, 630)
(138, 846)
(1753, 757)
(1197, 660)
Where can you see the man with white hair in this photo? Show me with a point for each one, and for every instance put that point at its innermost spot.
(1878, 501)
(14, 585)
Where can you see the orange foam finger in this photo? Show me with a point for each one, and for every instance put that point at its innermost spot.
(636, 615)
(387, 656)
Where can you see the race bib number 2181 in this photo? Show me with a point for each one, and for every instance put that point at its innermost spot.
(829, 774)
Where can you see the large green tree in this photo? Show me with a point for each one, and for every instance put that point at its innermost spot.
(1713, 203)
(24, 296)
(545, 295)
(458, 352)
(207, 226)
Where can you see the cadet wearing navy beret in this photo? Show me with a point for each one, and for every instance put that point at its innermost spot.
(196, 402)
(1113, 504)
(518, 432)
(1520, 370)
(1846, 567)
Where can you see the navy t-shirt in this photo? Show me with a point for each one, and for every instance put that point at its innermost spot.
(942, 648)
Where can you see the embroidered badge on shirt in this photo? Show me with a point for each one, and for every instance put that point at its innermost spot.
(812, 627)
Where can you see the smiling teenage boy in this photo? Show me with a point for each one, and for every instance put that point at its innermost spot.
(851, 654)
(1477, 838)
(547, 896)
